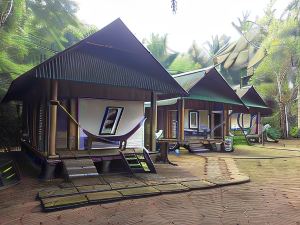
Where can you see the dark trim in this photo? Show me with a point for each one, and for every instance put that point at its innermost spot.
(105, 118)
(197, 113)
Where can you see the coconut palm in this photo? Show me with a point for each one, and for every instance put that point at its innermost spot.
(158, 46)
(198, 55)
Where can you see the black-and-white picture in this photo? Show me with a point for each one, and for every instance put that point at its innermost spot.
(111, 120)
(193, 119)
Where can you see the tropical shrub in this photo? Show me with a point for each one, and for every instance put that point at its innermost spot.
(274, 133)
(295, 132)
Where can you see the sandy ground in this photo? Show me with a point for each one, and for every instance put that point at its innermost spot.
(272, 197)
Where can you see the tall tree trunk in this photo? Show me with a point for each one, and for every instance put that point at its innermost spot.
(298, 107)
(282, 113)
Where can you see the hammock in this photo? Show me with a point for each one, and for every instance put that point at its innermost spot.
(122, 139)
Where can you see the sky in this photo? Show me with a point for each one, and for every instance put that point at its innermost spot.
(195, 20)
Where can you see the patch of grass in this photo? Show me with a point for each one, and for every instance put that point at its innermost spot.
(239, 140)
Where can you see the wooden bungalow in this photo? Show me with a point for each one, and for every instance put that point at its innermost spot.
(201, 118)
(91, 96)
(250, 121)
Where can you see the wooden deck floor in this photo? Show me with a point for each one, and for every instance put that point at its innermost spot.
(113, 152)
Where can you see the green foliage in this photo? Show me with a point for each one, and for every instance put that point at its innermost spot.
(274, 133)
(198, 55)
(295, 132)
(272, 120)
(239, 140)
(33, 32)
(183, 63)
(216, 44)
(158, 46)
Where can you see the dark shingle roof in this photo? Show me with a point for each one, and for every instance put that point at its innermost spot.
(208, 85)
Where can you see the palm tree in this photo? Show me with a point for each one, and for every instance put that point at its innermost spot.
(34, 31)
(292, 10)
(198, 55)
(216, 44)
(158, 46)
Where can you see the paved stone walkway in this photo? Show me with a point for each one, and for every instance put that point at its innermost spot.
(116, 187)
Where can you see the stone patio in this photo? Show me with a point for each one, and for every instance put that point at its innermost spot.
(212, 172)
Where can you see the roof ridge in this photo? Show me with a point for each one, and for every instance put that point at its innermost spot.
(191, 72)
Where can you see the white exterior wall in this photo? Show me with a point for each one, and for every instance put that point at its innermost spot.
(91, 113)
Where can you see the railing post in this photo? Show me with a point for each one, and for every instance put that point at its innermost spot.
(153, 122)
(53, 120)
(180, 120)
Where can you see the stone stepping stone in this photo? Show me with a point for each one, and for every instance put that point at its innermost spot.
(94, 188)
(171, 188)
(104, 196)
(138, 192)
(57, 203)
(122, 185)
(87, 181)
(57, 192)
(198, 184)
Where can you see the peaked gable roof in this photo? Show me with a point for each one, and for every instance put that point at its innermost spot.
(113, 56)
(208, 85)
(253, 100)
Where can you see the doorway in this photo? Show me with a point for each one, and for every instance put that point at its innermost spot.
(217, 121)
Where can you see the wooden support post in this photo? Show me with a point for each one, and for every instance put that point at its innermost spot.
(211, 123)
(73, 128)
(226, 119)
(53, 120)
(260, 128)
(180, 120)
(166, 124)
(153, 122)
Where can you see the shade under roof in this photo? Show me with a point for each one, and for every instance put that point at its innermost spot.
(111, 57)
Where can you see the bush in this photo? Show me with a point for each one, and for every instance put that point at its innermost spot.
(274, 133)
(272, 120)
(295, 132)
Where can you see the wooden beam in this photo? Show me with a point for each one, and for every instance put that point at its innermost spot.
(53, 120)
(180, 120)
(166, 123)
(72, 128)
(260, 130)
(153, 123)
(226, 119)
(211, 121)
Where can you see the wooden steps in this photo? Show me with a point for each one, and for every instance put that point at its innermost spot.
(9, 174)
(76, 168)
(197, 145)
(138, 162)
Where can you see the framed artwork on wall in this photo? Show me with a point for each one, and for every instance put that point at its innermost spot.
(111, 120)
(193, 119)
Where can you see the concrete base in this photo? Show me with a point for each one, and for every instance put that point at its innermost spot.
(48, 170)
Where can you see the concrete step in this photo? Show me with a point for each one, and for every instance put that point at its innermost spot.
(76, 168)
